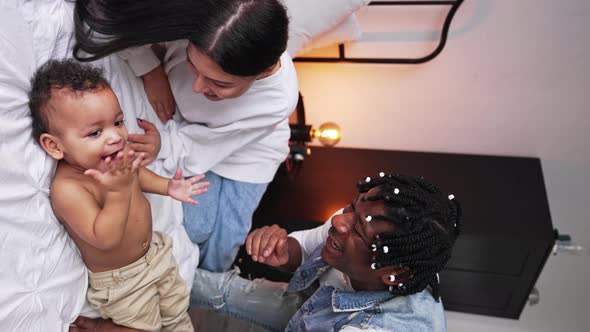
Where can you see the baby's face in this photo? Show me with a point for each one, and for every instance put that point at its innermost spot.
(89, 127)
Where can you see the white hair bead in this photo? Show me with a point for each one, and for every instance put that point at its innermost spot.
(385, 249)
(368, 179)
(373, 247)
(374, 266)
(381, 174)
(368, 218)
(451, 197)
(392, 277)
(396, 191)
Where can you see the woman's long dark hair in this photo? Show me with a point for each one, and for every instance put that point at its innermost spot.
(244, 37)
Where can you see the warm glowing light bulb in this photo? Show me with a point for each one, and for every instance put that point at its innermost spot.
(328, 133)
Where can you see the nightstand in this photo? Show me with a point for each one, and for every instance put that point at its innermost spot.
(507, 234)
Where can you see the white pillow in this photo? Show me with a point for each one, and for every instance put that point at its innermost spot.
(310, 18)
(348, 30)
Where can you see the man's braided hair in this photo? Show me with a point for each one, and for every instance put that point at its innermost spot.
(428, 222)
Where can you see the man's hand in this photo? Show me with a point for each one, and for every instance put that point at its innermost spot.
(84, 324)
(157, 88)
(183, 190)
(121, 171)
(268, 245)
(148, 143)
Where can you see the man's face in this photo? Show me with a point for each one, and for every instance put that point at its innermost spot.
(210, 79)
(348, 245)
(89, 127)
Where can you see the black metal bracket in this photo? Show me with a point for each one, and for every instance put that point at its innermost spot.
(441, 44)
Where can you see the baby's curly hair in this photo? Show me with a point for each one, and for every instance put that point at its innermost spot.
(60, 74)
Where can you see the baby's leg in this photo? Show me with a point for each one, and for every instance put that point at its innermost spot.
(173, 293)
(139, 310)
(174, 300)
(128, 296)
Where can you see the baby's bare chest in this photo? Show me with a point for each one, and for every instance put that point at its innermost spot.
(139, 205)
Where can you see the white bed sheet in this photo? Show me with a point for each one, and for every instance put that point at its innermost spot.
(43, 280)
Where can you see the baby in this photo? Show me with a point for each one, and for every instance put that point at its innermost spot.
(97, 194)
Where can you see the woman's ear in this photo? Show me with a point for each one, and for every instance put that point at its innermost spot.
(393, 275)
(269, 71)
(51, 145)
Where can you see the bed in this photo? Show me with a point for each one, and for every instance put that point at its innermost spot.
(43, 280)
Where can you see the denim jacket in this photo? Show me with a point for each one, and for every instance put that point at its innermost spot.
(330, 309)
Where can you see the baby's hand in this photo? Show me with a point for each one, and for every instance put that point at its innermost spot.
(182, 190)
(121, 171)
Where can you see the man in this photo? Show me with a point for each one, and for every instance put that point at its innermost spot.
(377, 263)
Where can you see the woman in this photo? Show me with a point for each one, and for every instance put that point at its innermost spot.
(235, 87)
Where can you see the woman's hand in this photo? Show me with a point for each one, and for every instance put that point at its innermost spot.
(268, 245)
(148, 143)
(157, 88)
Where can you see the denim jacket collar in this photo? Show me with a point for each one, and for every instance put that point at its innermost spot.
(342, 301)
(313, 267)
(331, 309)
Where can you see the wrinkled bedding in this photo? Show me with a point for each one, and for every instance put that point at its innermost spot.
(43, 280)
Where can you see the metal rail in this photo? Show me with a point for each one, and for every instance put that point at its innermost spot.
(441, 44)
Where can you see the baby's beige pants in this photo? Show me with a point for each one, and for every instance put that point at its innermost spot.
(147, 294)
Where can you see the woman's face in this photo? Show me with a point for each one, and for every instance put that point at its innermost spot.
(210, 79)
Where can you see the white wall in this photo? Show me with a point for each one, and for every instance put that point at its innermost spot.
(514, 79)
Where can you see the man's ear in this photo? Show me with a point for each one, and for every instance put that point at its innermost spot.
(51, 145)
(393, 275)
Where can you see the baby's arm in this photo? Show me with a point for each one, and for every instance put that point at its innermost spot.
(101, 227)
(177, 187)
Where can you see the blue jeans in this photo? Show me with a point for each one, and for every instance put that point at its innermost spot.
(269, 305)
(220, 223)
(262, 302)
